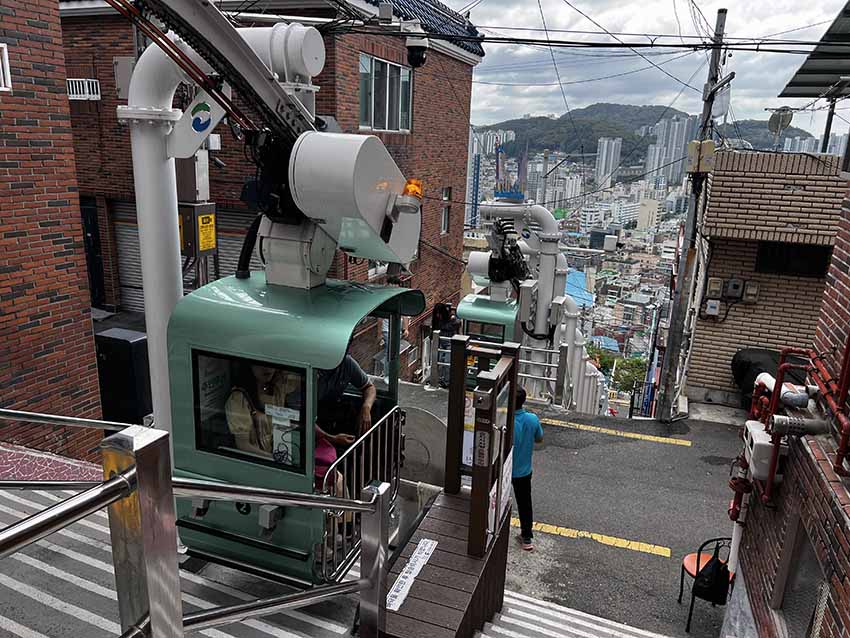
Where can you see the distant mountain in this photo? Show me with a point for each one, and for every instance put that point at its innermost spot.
(615, 120)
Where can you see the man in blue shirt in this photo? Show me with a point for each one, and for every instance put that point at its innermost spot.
(527, 431)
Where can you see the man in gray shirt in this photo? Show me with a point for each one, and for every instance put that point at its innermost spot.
(333, 413)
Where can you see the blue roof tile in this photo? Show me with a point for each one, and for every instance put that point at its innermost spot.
(437, 18)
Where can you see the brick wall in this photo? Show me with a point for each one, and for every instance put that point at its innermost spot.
(790, 198)
(47, 359)
(811, 490)
(786, 197)
(786, 315)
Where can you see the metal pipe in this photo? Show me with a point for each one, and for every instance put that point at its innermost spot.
(214, 491)
(33, 528)
(535, 376)
(217, 616)
(65, 421)
(48, 485)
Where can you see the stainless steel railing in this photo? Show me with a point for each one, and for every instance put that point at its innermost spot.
(375, 456)
(140, 495)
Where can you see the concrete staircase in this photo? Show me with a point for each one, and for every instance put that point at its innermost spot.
(526, 617)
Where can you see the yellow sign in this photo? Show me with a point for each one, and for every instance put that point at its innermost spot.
(206, 232)
(180, 226)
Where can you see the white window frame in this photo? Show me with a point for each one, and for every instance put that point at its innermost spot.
(447, 193)
(5, 69)
(445, 219)
(387, 106)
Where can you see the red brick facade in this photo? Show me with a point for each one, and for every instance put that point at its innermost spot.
(811, 492)
(435, 150)
(47, 358)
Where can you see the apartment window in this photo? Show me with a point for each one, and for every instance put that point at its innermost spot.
(444, 219)
(798, 260)
(447, 193)
(376, 269)
(5, 72)
(385, 95)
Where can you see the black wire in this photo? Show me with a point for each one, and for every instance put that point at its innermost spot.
(558, 73)
(664, 71)
(441, 251)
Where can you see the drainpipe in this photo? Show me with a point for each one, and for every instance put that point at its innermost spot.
(151, 118)
(571, 315)
(575, 368)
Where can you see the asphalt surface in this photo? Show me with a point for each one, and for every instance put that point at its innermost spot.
(673, 496)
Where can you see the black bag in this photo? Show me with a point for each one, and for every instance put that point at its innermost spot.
(712, 581)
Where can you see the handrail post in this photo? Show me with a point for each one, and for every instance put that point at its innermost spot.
(435, 359)
(561, 375)
(144, 537)
(373, 561)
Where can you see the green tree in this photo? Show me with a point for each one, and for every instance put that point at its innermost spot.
(604, 358)
(628, 371)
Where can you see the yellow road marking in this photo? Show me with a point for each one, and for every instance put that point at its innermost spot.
(623, 433)
(613, 541)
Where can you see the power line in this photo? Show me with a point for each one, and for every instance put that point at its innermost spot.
(558, 73)
(664, 71)
(584, 80)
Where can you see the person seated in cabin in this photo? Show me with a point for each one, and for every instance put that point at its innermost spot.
(337, 416)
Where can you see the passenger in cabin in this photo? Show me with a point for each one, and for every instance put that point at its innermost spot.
(337, 416)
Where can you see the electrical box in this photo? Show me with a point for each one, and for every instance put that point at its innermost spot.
(751, 292)
(714, 288)
(123, 67)
(712, 307)
(197, 229)
(701, 156)
(758, 449)
(122, 369)
(527, 300)
(734, 289)
(193, 177)
(213, 142)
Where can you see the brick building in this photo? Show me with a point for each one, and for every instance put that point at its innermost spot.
(427, 137)
(795, 556)
(47, 356)
(770, 223)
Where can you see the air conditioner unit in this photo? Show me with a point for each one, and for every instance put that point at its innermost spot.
(758, 450)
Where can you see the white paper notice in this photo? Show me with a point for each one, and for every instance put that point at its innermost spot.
(401, 587)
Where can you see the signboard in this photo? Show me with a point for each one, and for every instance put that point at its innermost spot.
(492, 518)
(401, 587)
(206, 232)
(468, 428)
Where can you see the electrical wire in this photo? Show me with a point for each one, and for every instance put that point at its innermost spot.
(664, 71)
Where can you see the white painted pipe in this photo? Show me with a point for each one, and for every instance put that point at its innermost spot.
(561, 275)
(588, 389)
(150, 115)
(547, 222)
(575, 365)
(571, 315)
(152, 86)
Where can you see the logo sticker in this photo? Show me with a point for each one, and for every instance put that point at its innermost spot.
(201, 117)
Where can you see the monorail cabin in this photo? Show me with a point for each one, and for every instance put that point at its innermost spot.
(252, 367)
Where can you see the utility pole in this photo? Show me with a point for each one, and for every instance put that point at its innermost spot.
(667, 400)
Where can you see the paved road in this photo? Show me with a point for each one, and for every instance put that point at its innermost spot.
(659, 494)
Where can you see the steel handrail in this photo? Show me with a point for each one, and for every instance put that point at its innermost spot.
(47, 485)
(56, 517)
(206, 618)
(215, 491)
(66, 421)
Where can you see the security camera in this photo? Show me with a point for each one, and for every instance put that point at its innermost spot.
(417, 43)
(417, 50)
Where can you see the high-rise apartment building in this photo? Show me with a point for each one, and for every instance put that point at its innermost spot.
(607, 160)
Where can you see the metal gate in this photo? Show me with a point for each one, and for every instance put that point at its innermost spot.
(230, 226)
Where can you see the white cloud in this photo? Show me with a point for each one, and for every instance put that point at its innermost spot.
(759, 76)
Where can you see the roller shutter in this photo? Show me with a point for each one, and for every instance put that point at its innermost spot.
(231, 226)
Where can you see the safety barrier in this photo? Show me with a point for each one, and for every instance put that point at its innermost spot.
(139, 492)
(552, 359)
(375, 456)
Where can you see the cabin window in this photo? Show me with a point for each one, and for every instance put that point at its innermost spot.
(485, 331)
(250, 409)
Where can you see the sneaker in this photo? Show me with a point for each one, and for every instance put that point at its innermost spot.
(527, 545)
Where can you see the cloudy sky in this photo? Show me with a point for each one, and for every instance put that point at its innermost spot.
(759, 76)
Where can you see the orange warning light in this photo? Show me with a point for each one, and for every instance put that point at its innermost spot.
(413, 187)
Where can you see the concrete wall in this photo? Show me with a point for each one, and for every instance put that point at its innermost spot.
(47, 357)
